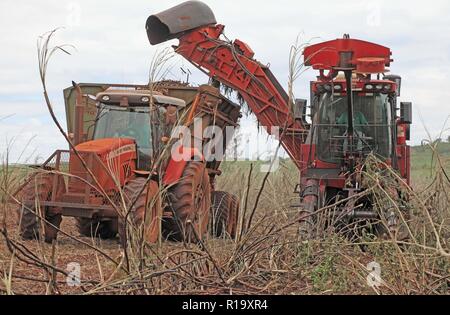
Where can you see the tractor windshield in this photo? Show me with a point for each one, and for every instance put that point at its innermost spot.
(372, 126)
(129, 122)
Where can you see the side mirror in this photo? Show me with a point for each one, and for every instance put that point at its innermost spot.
(397, 79)
(300, 109)
(406, 112)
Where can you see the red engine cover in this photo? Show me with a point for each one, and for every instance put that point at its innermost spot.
(111, 160)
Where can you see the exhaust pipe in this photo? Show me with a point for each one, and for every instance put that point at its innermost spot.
(172, 23)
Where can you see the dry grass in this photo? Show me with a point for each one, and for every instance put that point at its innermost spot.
(267, 258)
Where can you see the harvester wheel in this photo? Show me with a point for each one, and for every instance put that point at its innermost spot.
(105, 229)
(310, 204)
(146, 212)
(224, 214)
(39, 189)
(189, 204)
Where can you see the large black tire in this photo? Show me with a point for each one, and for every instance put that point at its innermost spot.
(224, 214)
(189, 205)
(146, 212)
(105, 229)
(38, 189)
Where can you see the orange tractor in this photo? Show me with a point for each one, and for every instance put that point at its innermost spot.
(354, 110)
(121, 170)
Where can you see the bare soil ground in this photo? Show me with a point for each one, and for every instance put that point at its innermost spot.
(30, 279)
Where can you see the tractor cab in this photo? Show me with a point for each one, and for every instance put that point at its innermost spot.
(144, 116)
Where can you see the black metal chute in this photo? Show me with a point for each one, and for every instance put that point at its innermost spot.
(173, 22)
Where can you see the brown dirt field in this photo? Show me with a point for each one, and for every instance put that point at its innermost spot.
(67, 251)
(95, 268)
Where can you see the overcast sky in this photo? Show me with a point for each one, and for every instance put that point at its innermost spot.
(112, 47)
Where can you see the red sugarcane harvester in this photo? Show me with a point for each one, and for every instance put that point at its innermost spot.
(354, 106)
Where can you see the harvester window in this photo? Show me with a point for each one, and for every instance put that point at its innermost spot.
(371, 119)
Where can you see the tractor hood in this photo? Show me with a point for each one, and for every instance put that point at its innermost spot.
(111, 160)
(173, 22)
(107, 146)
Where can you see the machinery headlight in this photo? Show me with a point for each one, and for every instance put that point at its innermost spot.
(106, 98)
(145, 99)
(379, 86)
(369, 87)
(387, 87)
(338, 87)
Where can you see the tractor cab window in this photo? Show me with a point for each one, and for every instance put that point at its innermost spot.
(127, 122)
(120, 122)
(372, 126)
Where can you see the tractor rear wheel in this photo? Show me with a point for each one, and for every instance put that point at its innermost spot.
(189, 205)
(105, 229)
(145, 211)
(224, 214)
(40, 189)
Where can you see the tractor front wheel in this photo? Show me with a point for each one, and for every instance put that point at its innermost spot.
(30, 212)
(189, 205)
(145, 209)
